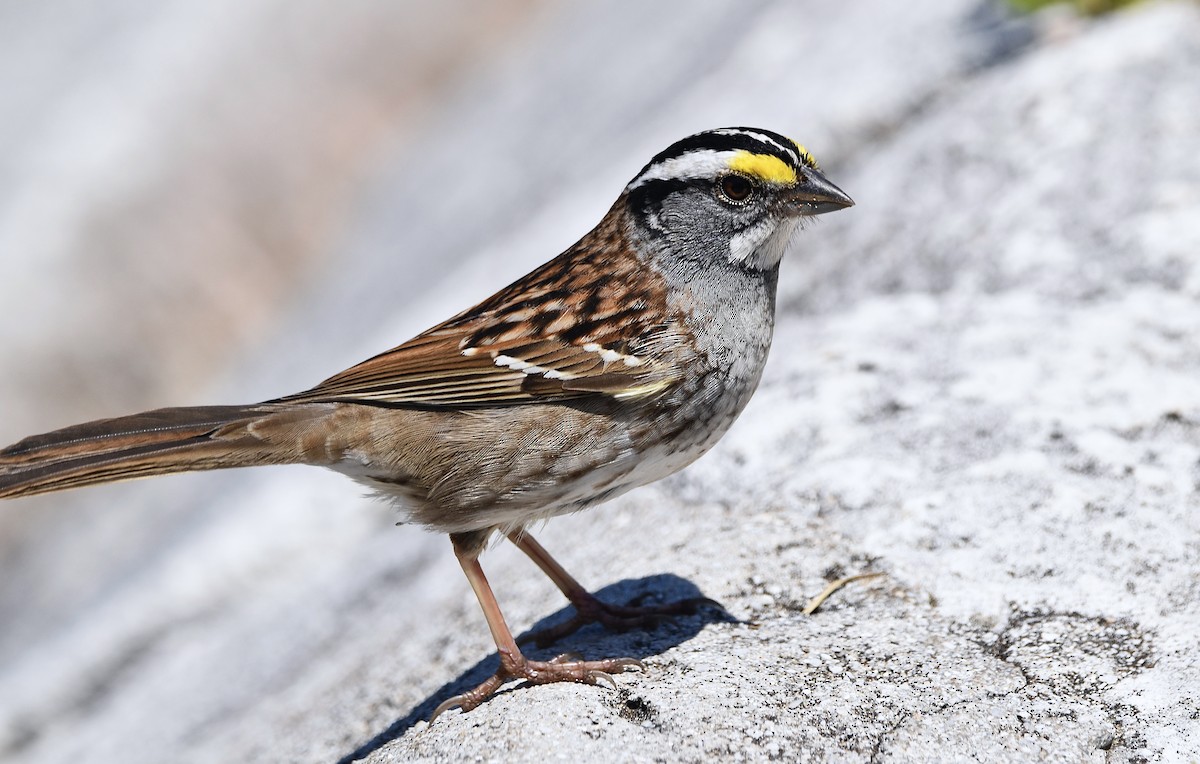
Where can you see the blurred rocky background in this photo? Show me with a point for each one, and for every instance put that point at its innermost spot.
(985, 381)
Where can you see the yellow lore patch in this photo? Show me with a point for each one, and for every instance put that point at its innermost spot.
(806, 157)
(767, 168)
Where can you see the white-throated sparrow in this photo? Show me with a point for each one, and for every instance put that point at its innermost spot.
(617, 363)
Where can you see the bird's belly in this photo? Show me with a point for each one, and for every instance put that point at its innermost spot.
(542, 461)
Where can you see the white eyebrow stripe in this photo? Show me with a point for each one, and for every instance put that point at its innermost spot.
(791, 152)
(702, 163)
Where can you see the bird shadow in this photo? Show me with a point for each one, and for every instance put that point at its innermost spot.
(591, 640)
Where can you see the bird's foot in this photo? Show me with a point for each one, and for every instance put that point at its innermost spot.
(569, 667)
(588, 609)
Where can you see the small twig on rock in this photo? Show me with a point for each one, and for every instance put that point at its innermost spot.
(817, 601)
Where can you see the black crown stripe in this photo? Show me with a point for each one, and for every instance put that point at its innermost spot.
(731, 139)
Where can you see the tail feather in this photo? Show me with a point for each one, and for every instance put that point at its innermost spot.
(151, 443)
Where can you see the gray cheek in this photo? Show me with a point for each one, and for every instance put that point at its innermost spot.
(696, 225)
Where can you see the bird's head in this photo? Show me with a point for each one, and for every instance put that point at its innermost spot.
(735, 194)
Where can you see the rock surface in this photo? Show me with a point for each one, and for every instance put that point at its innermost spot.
(985, 384)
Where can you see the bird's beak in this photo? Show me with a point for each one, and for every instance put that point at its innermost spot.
(814, 195)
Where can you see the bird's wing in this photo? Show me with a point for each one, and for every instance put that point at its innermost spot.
(546, 338)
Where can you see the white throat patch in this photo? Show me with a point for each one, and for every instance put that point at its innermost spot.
(763, 245)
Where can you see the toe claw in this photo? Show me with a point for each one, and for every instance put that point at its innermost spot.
(601, 677)
(567, 657)
(628, 663)
(446, 705)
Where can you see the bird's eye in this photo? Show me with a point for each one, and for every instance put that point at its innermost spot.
(736, 188)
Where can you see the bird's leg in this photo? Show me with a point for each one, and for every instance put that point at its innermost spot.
(514, 665)
(588, 609)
